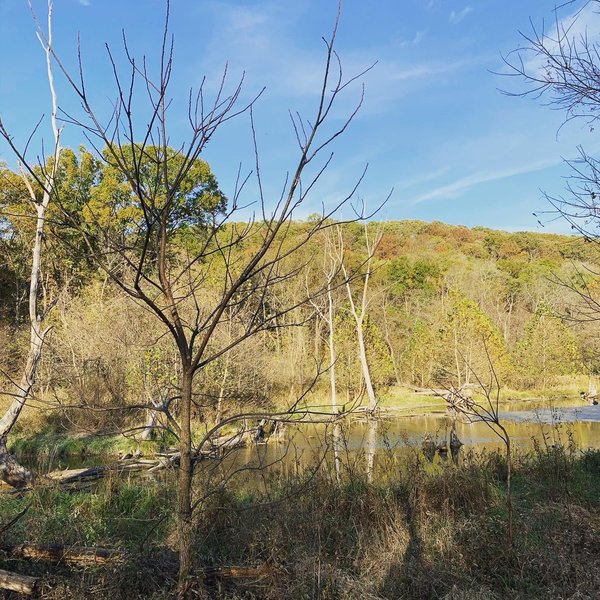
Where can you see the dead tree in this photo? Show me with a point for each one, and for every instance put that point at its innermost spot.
(10, 471)
(168, 283)
(359, 308)
(483, 408)
(326, 311)
(560, 65)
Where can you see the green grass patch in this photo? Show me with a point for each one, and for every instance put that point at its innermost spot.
(50, 443)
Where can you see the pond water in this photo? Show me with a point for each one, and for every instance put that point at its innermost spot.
(306, 445)
(526, 422)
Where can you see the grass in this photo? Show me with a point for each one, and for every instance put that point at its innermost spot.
(49, 443)
(409, 403)
(422, 530)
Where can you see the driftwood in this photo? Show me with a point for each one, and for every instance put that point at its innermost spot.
(71, 475)
(70, 555)
(18, 583)
(223, 443)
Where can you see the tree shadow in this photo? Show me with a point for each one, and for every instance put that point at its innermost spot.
(412, 575)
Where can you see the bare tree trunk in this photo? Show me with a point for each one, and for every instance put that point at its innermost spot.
(362, 353)
(185, 486)
(332, 357)
(334, 406)
(386, 331)
(457, 359)
(10, 471)
(371, 446)
(219, 413)
(161, 407)
(360, 312)
(148, 431)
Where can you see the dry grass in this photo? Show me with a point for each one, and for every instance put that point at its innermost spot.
(424, 532)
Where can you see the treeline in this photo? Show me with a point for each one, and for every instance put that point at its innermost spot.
(437, 304)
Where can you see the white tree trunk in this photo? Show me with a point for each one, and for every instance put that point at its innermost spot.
(10, 470)
(359, 315)
(370, 448)
(334, 406)
(362, 353)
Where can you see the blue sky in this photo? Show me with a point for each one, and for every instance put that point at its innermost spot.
(433, 125)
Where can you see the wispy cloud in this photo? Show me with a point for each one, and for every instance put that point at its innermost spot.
(456, 188)
(418, 180)
(398, 72)
(416, 39)
(260, 41)
(85, 2)
(457, 16)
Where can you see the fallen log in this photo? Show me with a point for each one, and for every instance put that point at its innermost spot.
(18, 583)
(228, 442)
(71, 475)
(71, 555)
(165, 462)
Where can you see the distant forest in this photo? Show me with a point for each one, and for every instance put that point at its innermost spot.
(444, 305)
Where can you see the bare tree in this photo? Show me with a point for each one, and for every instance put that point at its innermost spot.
(483, 406)
(359, 308)
(560, 65)
(40, 197)
(167, 271)
(332, 262)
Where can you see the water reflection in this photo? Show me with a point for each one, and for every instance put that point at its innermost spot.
(355, 445)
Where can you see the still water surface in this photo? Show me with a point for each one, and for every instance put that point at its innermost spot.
(526, 422)
(556, 423)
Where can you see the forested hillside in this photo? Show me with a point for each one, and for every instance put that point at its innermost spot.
(443, 306)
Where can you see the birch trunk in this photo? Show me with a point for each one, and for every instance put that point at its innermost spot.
(10, 471)
(362, 353)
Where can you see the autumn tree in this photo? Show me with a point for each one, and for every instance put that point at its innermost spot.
(547, 350)
(472, 342)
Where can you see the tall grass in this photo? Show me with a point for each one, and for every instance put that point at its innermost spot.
(421, 530)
